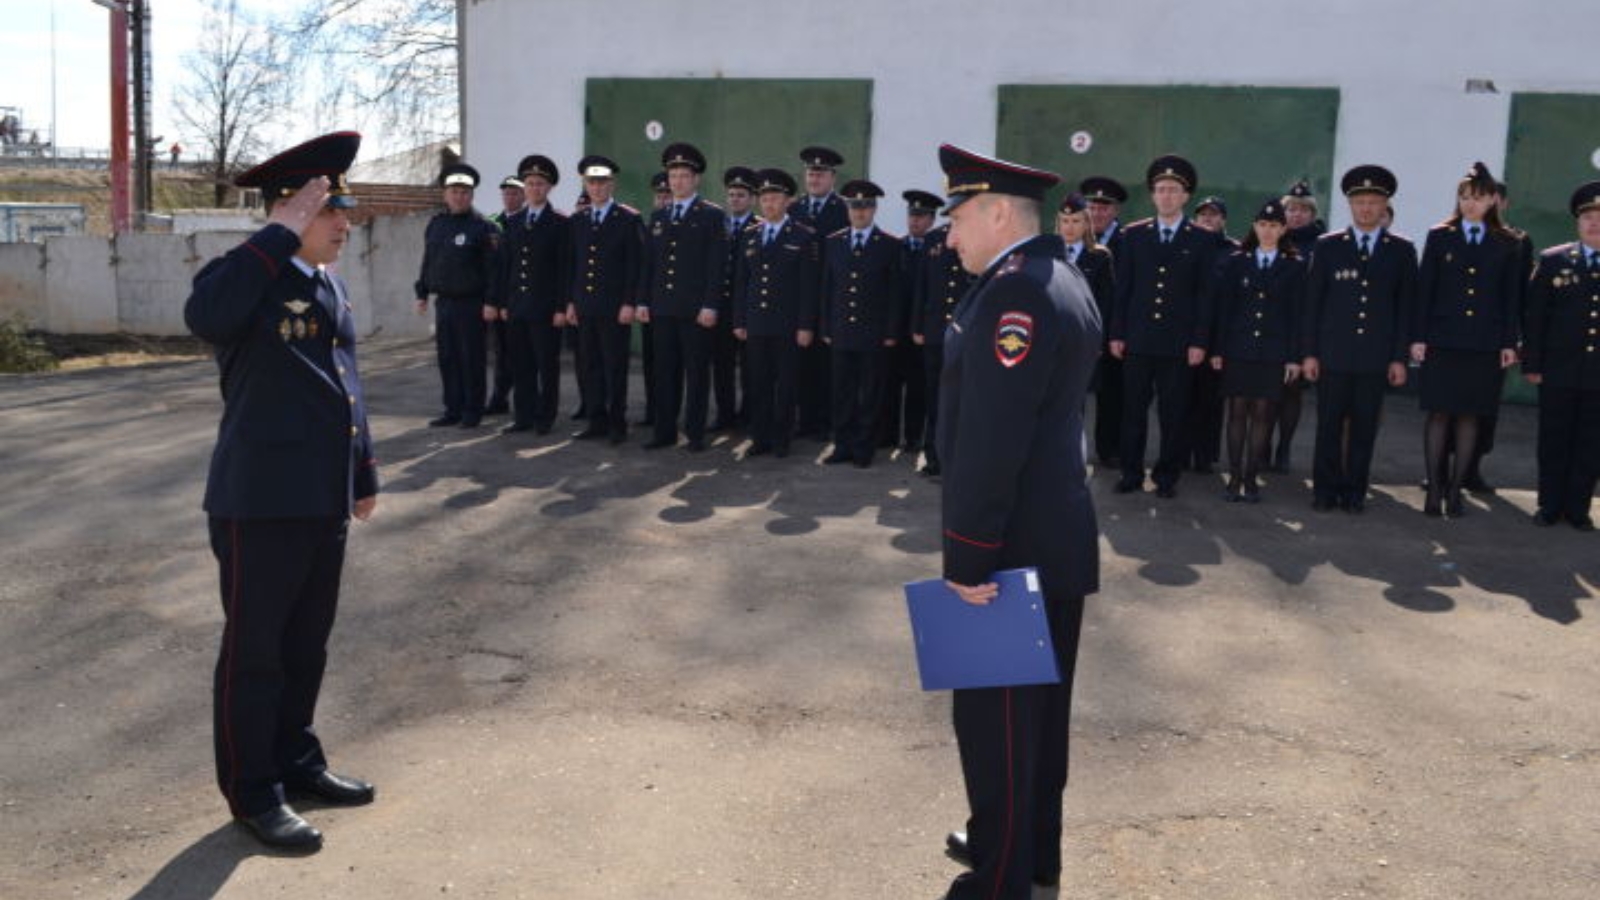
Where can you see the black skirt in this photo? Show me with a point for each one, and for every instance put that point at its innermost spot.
(1248, 378)
(1461, 382)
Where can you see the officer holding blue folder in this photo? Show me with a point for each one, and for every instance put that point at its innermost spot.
(1017, 362)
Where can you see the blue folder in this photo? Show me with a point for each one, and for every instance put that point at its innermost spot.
(1004, 644)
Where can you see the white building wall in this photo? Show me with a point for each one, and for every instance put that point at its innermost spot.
(1401, 68)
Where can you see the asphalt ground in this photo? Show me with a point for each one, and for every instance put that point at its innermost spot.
(580, 671)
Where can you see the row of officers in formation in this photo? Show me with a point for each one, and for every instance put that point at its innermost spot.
(800, 317)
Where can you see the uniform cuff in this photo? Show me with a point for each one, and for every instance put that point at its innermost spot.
(968, 561)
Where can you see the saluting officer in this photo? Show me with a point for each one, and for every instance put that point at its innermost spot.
(940, 283)
(293, 462)
(730, 380)
(1161, 321)
(460, 259)
(774, 295)
(823, 211)
(607, 267)
(904, 413)
(1105, 197)
(512, 200)
(534, 286)
(1360, 295)
(1017, 364)
(860, 313)
(1561, 355)
(1469, 311)
(685, 266)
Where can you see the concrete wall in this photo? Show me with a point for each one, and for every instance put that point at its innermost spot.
(1401, 69)
(22, 281)
(138, 283)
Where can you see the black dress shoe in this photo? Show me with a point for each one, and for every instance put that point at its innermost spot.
(780, 450)
(1128, 486)
(1432, 506)
(541, 428)
(471, 421)
(496, 408)
(929, 470)
(1166, 491)
(836, 458)
(1252, 491)
(696, 445)
(589, 434)
(758, 449)
(619, 437)
(282, 828)
(515, 427)
(1582, 523)
(339, 790)
(1355, 506)
(1545, 519)
(1475, 483)
(720, 425)
(444, 421)
(656, 443)
(579, 413)
(1323, 504)
(864, 463)
(1454, 507)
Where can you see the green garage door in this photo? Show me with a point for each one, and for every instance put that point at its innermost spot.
(1248, 143)
(1553, 147)
(754, 122)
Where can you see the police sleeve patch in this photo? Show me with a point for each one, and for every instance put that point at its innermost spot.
(1013, 338)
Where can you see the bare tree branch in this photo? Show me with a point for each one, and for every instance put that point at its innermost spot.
(237, 81)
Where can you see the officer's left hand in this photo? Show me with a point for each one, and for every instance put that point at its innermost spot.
(918, 339)
(1197, 355)
(707, 318)
(1216, 363)
(490, 313)
(803, 337)
(364, 507)
(978, 594)
(1290, 373)
(642, 314)
(1508, 357)
(1419, 352)
(1397, 374)
(625, 316)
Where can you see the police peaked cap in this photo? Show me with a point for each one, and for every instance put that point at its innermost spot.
(327, 156)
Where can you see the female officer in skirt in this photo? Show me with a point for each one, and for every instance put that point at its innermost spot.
(1466, 333)
(1094, 260)
(1258, 290)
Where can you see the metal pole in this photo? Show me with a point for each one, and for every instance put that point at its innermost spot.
(139, 16)
(55, 145)
(119, 120)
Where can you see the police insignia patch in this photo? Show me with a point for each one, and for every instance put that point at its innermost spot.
(1013, 338)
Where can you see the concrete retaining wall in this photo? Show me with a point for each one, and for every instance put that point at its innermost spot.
(138, 283)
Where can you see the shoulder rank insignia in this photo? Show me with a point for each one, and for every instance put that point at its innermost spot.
(1013, 338)
(298, 307)
(1012, 264)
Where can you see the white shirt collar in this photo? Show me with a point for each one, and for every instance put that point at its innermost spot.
(603, 211)
(1359, 234)
(305, 267)
(1173, 225)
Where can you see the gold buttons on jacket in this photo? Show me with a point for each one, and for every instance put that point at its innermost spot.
(1361, 331)
(354, 431)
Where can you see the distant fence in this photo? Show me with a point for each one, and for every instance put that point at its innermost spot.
(137, 283)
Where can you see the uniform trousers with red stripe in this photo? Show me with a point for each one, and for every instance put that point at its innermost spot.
(1013, 746)
(280, 591)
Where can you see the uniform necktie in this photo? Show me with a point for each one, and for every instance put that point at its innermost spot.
(816, 208)
(1366, 245)
(1472, 235)
(766, 240)
(1265, 261)
(677, 212)
(533, 218)
(1166, 235)
(1072, 255)
(916, 244)
(598, 218)
(325, 295)
(860, 242)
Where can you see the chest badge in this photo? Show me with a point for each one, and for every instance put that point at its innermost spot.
(461, 240)
(1013, 338)
(298, 307)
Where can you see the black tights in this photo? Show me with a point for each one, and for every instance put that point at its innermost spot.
(1255, 415)
(1288, 415)
(1436, 444)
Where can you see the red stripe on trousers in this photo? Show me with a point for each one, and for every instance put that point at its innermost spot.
(1011, 814)
(232, 628)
